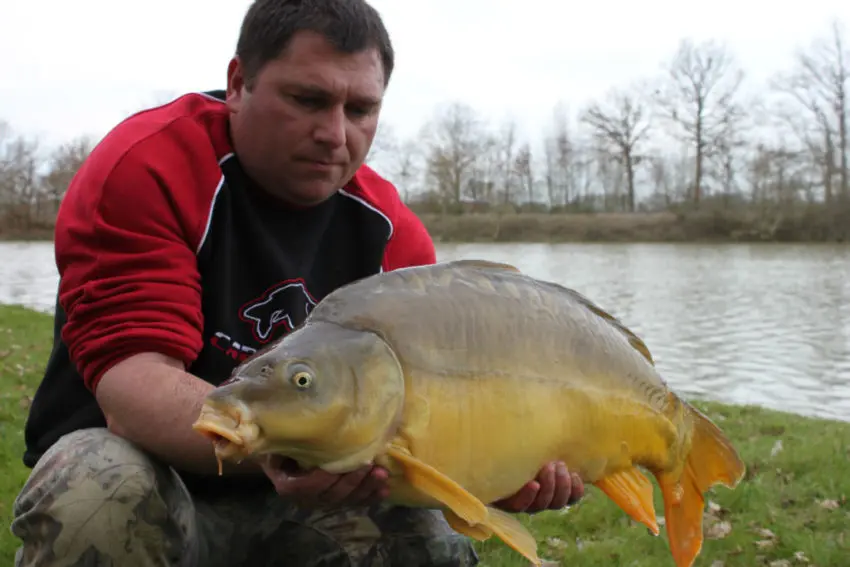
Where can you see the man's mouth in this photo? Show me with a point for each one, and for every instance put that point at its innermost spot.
(319, 163)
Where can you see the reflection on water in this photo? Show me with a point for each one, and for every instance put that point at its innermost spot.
(762, 324)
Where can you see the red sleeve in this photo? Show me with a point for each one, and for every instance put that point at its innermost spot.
(410, 245)
(125, 242)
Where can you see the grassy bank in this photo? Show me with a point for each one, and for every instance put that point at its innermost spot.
(792, 506)
(711, 225)
(706, 226)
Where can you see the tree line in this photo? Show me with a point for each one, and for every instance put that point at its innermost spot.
(691, 137)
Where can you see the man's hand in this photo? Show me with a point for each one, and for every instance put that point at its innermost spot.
(319, 488)
(553, 489)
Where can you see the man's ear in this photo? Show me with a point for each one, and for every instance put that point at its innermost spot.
(235, 84)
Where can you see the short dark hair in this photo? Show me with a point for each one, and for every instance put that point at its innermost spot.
(349, 25)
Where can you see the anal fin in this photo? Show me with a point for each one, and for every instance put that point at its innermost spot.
(632, 491)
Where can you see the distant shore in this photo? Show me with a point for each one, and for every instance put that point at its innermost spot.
(709, 226)
(704, 226)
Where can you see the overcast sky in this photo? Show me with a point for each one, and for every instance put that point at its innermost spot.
(74, 67)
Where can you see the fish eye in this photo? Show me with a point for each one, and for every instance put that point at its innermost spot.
(302, 379)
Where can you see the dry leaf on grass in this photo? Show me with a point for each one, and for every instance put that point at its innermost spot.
(556, 543)
(719, 530)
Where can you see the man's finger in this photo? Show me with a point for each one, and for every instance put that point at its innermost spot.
(371, 487)
(546, 480)
(576, 489)
(522, 499)
(563, 487)
(305, 484)
(340, 490)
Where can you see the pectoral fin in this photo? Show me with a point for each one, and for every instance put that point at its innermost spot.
(631, 490)
(466, 514)
(503, 525)
(479, 532)
(432, 482)
(513, 533)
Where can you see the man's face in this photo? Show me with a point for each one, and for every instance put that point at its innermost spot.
(309, 119)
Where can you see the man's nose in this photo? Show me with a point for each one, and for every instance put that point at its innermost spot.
(330, 129)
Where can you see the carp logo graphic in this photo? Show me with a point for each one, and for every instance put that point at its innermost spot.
(284, 304)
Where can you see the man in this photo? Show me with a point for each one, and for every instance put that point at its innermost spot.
(196, 233)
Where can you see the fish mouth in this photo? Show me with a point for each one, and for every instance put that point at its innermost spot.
(231, 430)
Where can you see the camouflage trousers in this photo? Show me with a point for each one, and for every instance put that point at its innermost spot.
(95, 499)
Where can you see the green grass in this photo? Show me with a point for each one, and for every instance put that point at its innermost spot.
(799, 494)
(26, 338)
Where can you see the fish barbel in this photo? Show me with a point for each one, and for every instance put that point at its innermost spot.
(463, 379)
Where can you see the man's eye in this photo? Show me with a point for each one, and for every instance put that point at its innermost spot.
(309, 101)
(359, 111)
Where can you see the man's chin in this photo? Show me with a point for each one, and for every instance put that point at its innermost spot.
(309, 194)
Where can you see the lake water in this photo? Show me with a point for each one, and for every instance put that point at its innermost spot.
(761, 324)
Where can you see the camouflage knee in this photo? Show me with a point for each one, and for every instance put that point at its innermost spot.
(266, 530)
(388, 536)
(418, 537)
(96, 499)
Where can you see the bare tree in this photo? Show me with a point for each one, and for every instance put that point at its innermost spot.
(702, 84)
(620, 125)
(487, 171)
(21, 193)
(62, 166)
(524, 168)
(818, 85)
(406, 167)
(454, 142)
(560, 159)
(384, 142)
(506, 154)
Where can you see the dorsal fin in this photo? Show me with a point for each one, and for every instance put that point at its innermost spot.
(485, 264)
(635, 341)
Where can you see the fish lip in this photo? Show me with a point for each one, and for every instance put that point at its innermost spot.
(216, 431)
(232, 430)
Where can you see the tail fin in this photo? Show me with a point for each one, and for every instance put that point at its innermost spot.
(712, 460)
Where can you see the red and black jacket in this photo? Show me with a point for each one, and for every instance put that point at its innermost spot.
(163, 244)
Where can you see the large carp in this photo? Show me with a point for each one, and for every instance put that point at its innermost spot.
(463, 379)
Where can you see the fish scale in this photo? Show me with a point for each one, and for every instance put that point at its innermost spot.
(463, 379)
